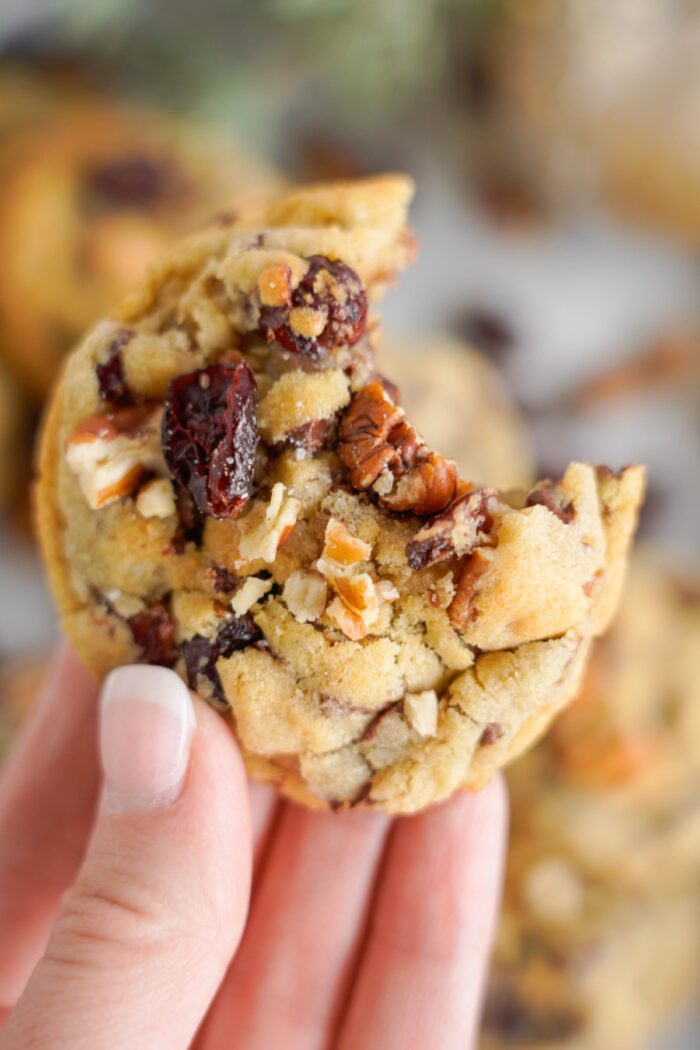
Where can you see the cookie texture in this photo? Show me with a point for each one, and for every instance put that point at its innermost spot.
(248, 503)
(604, 855)
(458, 403)
(114, 185)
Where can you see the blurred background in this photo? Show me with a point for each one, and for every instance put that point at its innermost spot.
(553, 313)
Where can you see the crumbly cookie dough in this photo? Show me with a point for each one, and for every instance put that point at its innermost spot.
(228, 488)
(93, 192)
(459, 404)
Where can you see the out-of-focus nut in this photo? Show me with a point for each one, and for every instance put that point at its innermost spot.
(305, 594)
(156, 499)
(264, 531)
(384, 452)
(553, 890)
(251, 591)
(421, 712)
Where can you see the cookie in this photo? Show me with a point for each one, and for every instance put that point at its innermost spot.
(459, 404)
(228, 488)
(601, 100)
(611, 982)
(614, 787)
(93, 192)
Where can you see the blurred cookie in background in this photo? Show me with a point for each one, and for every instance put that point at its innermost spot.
(616, 784)
(609, 979)
(459, 404)
(603, 872)
(602, 101)
(12, 427)
(93, 191)
(20, 682)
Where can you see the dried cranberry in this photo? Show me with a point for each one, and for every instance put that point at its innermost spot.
(210, 436)
(154, 631)
(333, 290)
(110, 374)
(223, 581)
(134, 181)
(200, 654)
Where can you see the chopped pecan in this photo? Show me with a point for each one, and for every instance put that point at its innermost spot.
(383, 451)
(461, 611)
(548, 494)
(111, 454)
(466, 523)
(309, 437)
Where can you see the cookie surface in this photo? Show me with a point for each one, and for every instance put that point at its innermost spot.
(93, 191)
(228, 489)
(458, 403)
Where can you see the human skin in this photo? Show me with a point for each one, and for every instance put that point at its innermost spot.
(151, 898)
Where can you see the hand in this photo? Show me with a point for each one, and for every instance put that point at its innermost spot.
(128, 922)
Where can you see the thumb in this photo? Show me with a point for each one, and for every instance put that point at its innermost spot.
(145, 934)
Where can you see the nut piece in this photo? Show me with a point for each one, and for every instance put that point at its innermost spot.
(382, 450)
(305, 594)
(251, 591)
(461, 611)
(110, 454)
(264, 531)
(468, 522)
(421, 712)
(356, 607)
(156, 499)
(549, 494)
(275, 285)
(341, 547)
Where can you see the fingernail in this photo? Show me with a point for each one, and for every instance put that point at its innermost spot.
(146, 725)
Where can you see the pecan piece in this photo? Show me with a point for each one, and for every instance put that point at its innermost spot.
(548, 494)
(467, 522)
(461, 611)
(383, 451)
